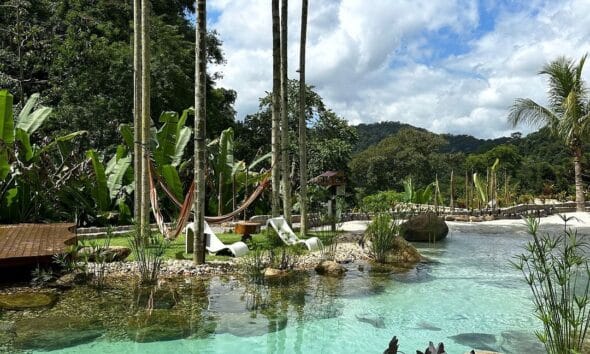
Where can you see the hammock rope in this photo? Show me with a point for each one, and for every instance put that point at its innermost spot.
(185, 206)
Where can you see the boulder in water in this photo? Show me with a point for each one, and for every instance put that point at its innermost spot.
(427, 227)
(27, 300)
(55, 332)
(330, 268)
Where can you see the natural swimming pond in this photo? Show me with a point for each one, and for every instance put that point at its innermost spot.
(469, 296)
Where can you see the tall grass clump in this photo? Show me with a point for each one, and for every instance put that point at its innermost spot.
(148, 251)
(381, 234)
(556, 268)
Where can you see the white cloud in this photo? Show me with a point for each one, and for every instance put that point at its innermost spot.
(366, 59)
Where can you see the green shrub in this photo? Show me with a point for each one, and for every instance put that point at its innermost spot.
(381, 234)
(380, 202)
(556, 268)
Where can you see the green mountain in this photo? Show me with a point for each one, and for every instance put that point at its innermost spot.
(371, 134)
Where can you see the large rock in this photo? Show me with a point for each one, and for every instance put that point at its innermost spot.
(403, 253)
(425, 227)
(27, 300)
(330, 268)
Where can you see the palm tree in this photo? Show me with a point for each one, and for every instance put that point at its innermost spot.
(284, 118)
(276, 84)
(302, 123)
(137, 160)
(200, 129)
(145, 114)
(567, 114)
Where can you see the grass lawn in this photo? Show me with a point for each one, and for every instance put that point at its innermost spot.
(175, 249)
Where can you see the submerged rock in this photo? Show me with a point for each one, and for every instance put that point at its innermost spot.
(520, 342)
(250, 324)
(483, 341)
(272, 273)
(330, 268)
(27, 300)
(375, 321)
(425, 227)
(55, 332)
(163, 325)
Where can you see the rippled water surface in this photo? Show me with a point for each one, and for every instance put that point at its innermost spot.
(469, 296)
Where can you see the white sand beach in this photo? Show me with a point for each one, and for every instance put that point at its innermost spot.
(576, 220)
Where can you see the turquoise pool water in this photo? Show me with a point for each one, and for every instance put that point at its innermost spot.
(468, 297)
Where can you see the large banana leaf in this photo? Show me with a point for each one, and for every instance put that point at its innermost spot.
(24, 138)
(6, 131)
(31, 121)
(115, 174)
(225, 156)
(59, 141)
(172, 179)
(100, 189)
(259, 160)
(183, 136)
(166, 135)
(127, 133)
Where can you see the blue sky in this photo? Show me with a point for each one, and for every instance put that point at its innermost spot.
(448, 65)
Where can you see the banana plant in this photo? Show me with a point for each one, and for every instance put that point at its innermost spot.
(167, 146)
(25, 178)
(109, 189)
(485, 189)
(418, 196)
(231, 176)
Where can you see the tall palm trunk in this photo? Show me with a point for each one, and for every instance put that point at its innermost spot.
(276, 84)
(200, 129)
(145, 114)
(580, 201)
(302, 122)
(137, 164)
(286, 181)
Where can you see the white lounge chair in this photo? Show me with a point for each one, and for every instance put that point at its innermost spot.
(214, 244)
(282, 228)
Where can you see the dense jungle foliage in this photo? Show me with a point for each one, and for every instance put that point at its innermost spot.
(72, 161)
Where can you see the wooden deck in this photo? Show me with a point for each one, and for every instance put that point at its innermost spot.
(31, 244)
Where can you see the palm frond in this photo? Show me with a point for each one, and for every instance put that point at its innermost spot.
(561, 76)
(529, 112)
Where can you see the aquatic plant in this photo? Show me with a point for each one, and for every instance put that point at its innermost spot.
(148, 249)
(556, 268)
(381, 233)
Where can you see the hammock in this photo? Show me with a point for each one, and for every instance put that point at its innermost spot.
(185, 206)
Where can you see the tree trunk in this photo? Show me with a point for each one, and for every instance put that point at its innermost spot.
(580, 202)
(276, 84)
(286, 181)
(200, 129)
(303, 123)
(221, 181)
(145, 114)
(137, 164)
